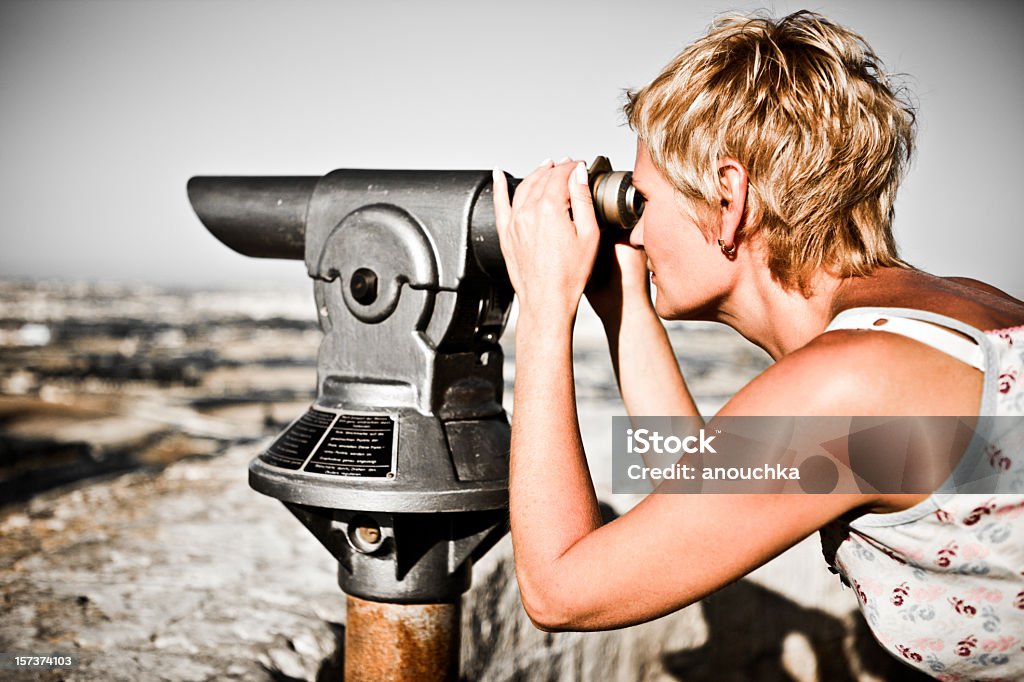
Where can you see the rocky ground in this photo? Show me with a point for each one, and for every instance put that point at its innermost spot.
(130, 538)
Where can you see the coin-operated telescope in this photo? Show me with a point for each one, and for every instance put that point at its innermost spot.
(400, 466)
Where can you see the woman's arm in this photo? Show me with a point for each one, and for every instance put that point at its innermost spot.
(645, 365)
(552, 502)
(673, 549)
(549, 258)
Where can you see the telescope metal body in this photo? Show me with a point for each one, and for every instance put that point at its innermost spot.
(400, 466)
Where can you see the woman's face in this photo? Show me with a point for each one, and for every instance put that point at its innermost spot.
(686, 266)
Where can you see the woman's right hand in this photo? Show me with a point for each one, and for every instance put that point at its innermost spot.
(625, 281)
(643, 359)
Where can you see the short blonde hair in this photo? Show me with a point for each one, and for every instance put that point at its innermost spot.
(805, 106)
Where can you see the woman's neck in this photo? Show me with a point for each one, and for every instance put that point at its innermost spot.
(779, 319)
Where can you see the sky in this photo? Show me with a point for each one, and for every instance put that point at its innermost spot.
(107, 108)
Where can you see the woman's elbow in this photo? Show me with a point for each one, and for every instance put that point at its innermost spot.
(553, 610)
(545, 613)
(572, 608)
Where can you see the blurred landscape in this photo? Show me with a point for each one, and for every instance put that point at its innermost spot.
(129, 536)
(102, 378)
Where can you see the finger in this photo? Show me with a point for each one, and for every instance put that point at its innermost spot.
(502, 205)
(581, 202)
(538, 174)
(530, 188)
(555, 185)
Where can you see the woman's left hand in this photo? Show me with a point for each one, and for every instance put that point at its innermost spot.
(549, 256)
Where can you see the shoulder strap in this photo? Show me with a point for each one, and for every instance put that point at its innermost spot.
(928, 333)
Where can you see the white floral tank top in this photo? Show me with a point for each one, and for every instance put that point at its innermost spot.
(941, 584)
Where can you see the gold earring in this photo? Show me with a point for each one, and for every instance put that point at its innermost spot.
(729, 251)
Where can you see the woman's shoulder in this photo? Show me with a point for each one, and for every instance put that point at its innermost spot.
(859, 372)
(976, 285)
(968, 301)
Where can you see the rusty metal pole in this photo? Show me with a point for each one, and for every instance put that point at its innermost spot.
(387, 642)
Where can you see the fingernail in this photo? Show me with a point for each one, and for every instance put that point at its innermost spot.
(545, 162)
(496, 174)
(581, 173)
(564, 159)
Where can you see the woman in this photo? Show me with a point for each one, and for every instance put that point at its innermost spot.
(769, 154)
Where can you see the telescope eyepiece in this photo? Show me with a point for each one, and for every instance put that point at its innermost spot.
(617, 204)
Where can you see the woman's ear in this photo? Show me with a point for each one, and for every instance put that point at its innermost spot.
(732, 184)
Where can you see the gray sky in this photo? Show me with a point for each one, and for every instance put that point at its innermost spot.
(107, 108)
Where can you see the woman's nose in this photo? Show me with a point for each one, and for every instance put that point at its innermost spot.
(636, 235)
